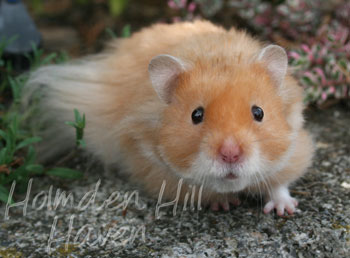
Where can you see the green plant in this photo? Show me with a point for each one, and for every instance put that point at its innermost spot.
(323, 65)
(37, 6)
(17, 152)
(79, 126)
(5, 67)
(17, 157)
(116, 7)
(111, 33)
(126, 32)
(37, 59)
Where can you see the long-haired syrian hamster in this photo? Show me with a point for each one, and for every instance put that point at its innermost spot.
(190, 100)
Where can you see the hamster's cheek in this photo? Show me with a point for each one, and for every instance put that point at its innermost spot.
(178, 143)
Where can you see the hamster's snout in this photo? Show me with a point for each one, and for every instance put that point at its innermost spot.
(230, 151)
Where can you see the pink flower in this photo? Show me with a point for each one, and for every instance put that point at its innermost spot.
(182, 3)
(177, 4)
(324, 96)
(191, 7)
(323, 51)
(261, 20)
(305, 48)
(294, 55)
(172, 4)
(320, 72)
(310, 56)
(308, 74)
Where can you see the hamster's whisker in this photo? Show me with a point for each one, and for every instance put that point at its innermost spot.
(258, 184)
(262, 186)
(266, 183)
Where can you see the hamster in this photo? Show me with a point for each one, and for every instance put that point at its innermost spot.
(188, 101)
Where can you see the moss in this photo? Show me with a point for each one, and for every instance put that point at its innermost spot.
(339, 226)
(10, 253)
(62, 251)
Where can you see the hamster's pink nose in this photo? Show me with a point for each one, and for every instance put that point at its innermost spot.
(230, 152)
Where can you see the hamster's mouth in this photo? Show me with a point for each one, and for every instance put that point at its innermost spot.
(231, 176)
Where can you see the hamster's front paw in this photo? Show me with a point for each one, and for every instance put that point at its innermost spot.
(223, 201)
(281, 200)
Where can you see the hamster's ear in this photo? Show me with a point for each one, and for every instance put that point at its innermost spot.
(164, 71)
(276, 61)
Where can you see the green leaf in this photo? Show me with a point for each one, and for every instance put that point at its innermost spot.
(48, 59)
(15, 87)
(79, 126)
(4, 42)
(3, 134)
(81, 143)
(65, 173)
(17, 174)
(10, 144)
(13, 128)
(35, 169)
(342, 63)
(4, 195)
(38, 6)
(116, 7)
(77, 115)
(111, 33)
(27, 142)
(70, 123)
(126, 32)
(61, 57)
(83, 121)
(3, 154)
(307, 80)
(31, 155)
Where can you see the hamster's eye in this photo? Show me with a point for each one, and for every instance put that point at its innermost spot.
(258, 113)
(197, 115)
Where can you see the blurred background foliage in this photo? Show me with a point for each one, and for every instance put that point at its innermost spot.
(315, 32)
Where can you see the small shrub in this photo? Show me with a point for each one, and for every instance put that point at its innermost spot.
(17, 152)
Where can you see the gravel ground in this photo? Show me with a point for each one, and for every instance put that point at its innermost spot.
(319, 228)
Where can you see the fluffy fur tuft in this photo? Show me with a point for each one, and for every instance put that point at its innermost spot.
(147, 129)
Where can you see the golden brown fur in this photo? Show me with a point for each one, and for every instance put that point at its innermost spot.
(128, 124)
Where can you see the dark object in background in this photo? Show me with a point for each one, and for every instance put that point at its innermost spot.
(16, 24)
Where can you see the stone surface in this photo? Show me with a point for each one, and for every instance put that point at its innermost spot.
(319, 228)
